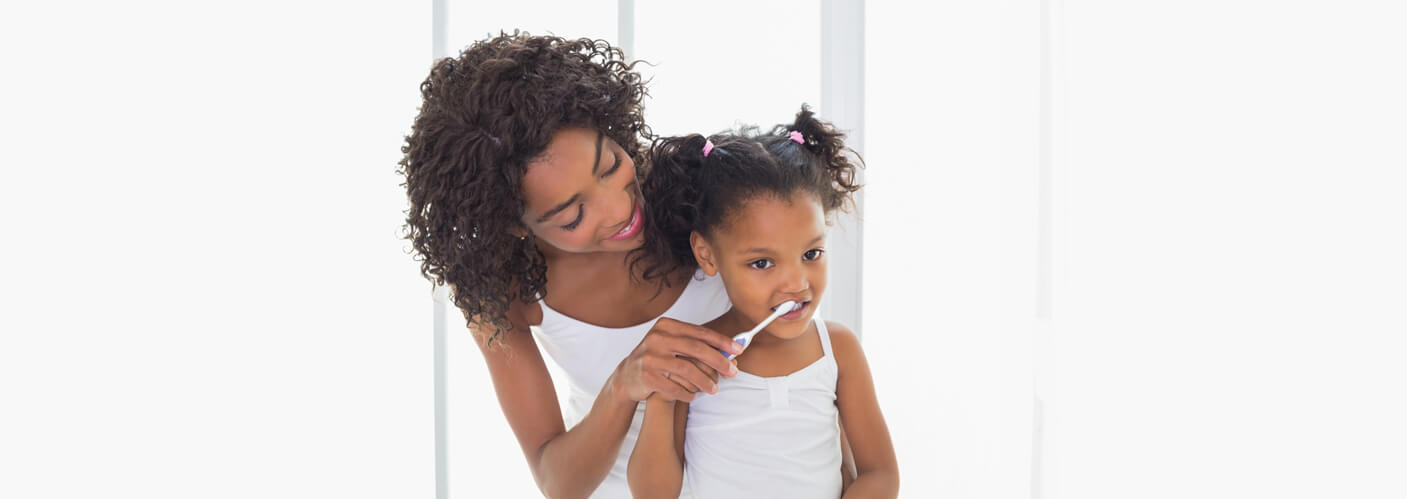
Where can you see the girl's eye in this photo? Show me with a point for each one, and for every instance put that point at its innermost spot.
(580, 211)
(813, 254)
(762, 264)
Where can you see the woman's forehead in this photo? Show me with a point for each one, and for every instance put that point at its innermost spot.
(562, 169)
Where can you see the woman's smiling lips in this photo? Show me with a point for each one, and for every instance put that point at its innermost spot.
(632, 227)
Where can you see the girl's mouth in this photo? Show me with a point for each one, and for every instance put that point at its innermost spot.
(796, 313)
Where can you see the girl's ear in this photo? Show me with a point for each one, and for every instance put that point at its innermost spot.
(703, 253)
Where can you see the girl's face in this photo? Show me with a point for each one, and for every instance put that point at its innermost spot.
(581, 195)
(770, 251)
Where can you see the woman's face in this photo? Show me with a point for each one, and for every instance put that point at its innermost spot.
(582, 196)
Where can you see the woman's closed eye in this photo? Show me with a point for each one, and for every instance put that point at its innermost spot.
(614, 166)
(581, 209)
(580, 212)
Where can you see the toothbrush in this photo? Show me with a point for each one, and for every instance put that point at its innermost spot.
(745, 339)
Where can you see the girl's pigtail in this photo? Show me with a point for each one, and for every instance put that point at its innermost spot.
(827, 146)
(671, 207)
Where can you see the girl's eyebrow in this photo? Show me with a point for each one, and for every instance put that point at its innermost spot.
(596, 165)
(818, 239)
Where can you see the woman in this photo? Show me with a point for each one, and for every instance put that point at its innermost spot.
(521, 170)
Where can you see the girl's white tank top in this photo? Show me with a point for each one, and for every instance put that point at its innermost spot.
(589, 354)
(767, 437)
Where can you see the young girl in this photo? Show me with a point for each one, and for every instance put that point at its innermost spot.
(752, 208)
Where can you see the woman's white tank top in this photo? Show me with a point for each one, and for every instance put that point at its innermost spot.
(767, 437)
(589, 354)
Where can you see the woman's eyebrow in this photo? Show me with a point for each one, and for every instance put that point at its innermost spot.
(558, 208)
(595, 165)
(600, 137)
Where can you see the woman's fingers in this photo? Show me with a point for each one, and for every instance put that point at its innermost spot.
(689, 376)
(669, 371)
(700, 333)
(700, 343)
(708, 371)
(705, 354)
(672, 390)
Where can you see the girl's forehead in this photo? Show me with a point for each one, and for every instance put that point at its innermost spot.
(775, 221)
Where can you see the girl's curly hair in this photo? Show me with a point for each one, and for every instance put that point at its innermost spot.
(689, 191)
(485, 115)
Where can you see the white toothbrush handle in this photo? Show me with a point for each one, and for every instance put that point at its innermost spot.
(745, 339)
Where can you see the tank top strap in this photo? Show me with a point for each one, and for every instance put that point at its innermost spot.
(824, 334)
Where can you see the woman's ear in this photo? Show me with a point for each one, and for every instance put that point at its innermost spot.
(703, 253)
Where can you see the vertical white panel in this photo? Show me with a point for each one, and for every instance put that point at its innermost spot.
(625, 27)
(951, 239)
(440, 302)
(842, 78)
(1229, 232)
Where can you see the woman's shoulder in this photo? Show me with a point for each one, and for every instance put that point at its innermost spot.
(530, 313)
(704, 299)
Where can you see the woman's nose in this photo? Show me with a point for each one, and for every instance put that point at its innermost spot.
(617, 204)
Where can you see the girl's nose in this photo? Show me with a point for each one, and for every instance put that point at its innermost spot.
(795, 280)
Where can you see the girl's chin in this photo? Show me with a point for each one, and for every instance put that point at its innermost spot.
(788, 330)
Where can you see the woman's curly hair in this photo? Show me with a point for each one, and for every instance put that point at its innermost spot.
(689, 191)
(485, 115)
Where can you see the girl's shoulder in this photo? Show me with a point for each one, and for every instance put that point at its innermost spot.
(845, 345)
(840, 333)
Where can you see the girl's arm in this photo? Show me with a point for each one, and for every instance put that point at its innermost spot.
(657, 464)
(847, 461)
(876, 467)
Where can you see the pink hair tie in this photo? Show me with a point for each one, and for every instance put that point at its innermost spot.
(708, 147)
(796, 137)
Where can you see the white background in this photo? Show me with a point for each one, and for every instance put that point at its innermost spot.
(1112, 249)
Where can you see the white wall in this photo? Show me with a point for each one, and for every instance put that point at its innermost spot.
(203, 290)
(950, 240)
(1112, 249)
(1229, 233)
(1126, 249)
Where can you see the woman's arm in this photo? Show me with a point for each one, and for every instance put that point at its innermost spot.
(877, 468)
(572, 463)
(563, 463)
(657, 464)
